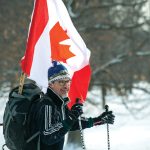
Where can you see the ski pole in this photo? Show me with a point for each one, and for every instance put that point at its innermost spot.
(80, 127)
(108, 139)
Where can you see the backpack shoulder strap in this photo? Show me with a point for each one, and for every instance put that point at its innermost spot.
(33, 136)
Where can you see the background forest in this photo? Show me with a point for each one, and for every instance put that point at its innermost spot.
(116, 31)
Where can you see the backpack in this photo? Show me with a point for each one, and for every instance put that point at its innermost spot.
(16, 115)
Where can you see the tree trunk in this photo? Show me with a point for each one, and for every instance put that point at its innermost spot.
(103, 96)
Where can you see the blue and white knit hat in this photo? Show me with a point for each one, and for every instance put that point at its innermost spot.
(57, 72)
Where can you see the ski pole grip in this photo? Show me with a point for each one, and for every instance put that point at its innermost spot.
(106, 108)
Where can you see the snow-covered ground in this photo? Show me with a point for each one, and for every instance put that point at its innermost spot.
(129, 132)
(126, 134)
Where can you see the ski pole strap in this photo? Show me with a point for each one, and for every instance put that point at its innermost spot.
(81, 134)
(108, 138)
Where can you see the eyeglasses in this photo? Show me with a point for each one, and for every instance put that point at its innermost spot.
(63, 82)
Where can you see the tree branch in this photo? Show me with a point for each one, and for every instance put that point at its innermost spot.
(109, 5)
(110, 27)
(103, 6)
(70, 10)
(121, 57)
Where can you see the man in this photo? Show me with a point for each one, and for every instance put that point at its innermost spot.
(51, 116)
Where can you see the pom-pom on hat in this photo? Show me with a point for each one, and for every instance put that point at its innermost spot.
(57, 72)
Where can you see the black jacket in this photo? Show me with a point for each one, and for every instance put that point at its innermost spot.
(50, 116)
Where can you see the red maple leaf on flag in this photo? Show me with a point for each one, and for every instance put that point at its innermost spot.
(59, 52)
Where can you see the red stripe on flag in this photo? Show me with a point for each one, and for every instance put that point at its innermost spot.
(39, 21)
(79, 85)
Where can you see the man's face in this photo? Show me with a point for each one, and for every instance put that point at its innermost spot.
(61, 87)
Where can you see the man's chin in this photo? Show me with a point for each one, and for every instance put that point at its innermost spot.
(64, 95)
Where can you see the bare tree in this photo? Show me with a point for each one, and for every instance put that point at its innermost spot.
(116, 31)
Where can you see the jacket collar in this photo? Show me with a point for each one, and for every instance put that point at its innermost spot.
(56, 98)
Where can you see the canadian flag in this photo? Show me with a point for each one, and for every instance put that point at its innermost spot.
(52, 36)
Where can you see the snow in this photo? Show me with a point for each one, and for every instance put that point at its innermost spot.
(127, 133)
(133, 135)
(131, 130)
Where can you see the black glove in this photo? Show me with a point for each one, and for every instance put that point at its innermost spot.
(76, 111)
(73, 115)
(105, 117)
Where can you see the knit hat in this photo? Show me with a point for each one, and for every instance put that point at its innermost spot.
(57, 72)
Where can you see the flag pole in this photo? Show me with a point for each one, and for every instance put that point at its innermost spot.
(21, 82)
